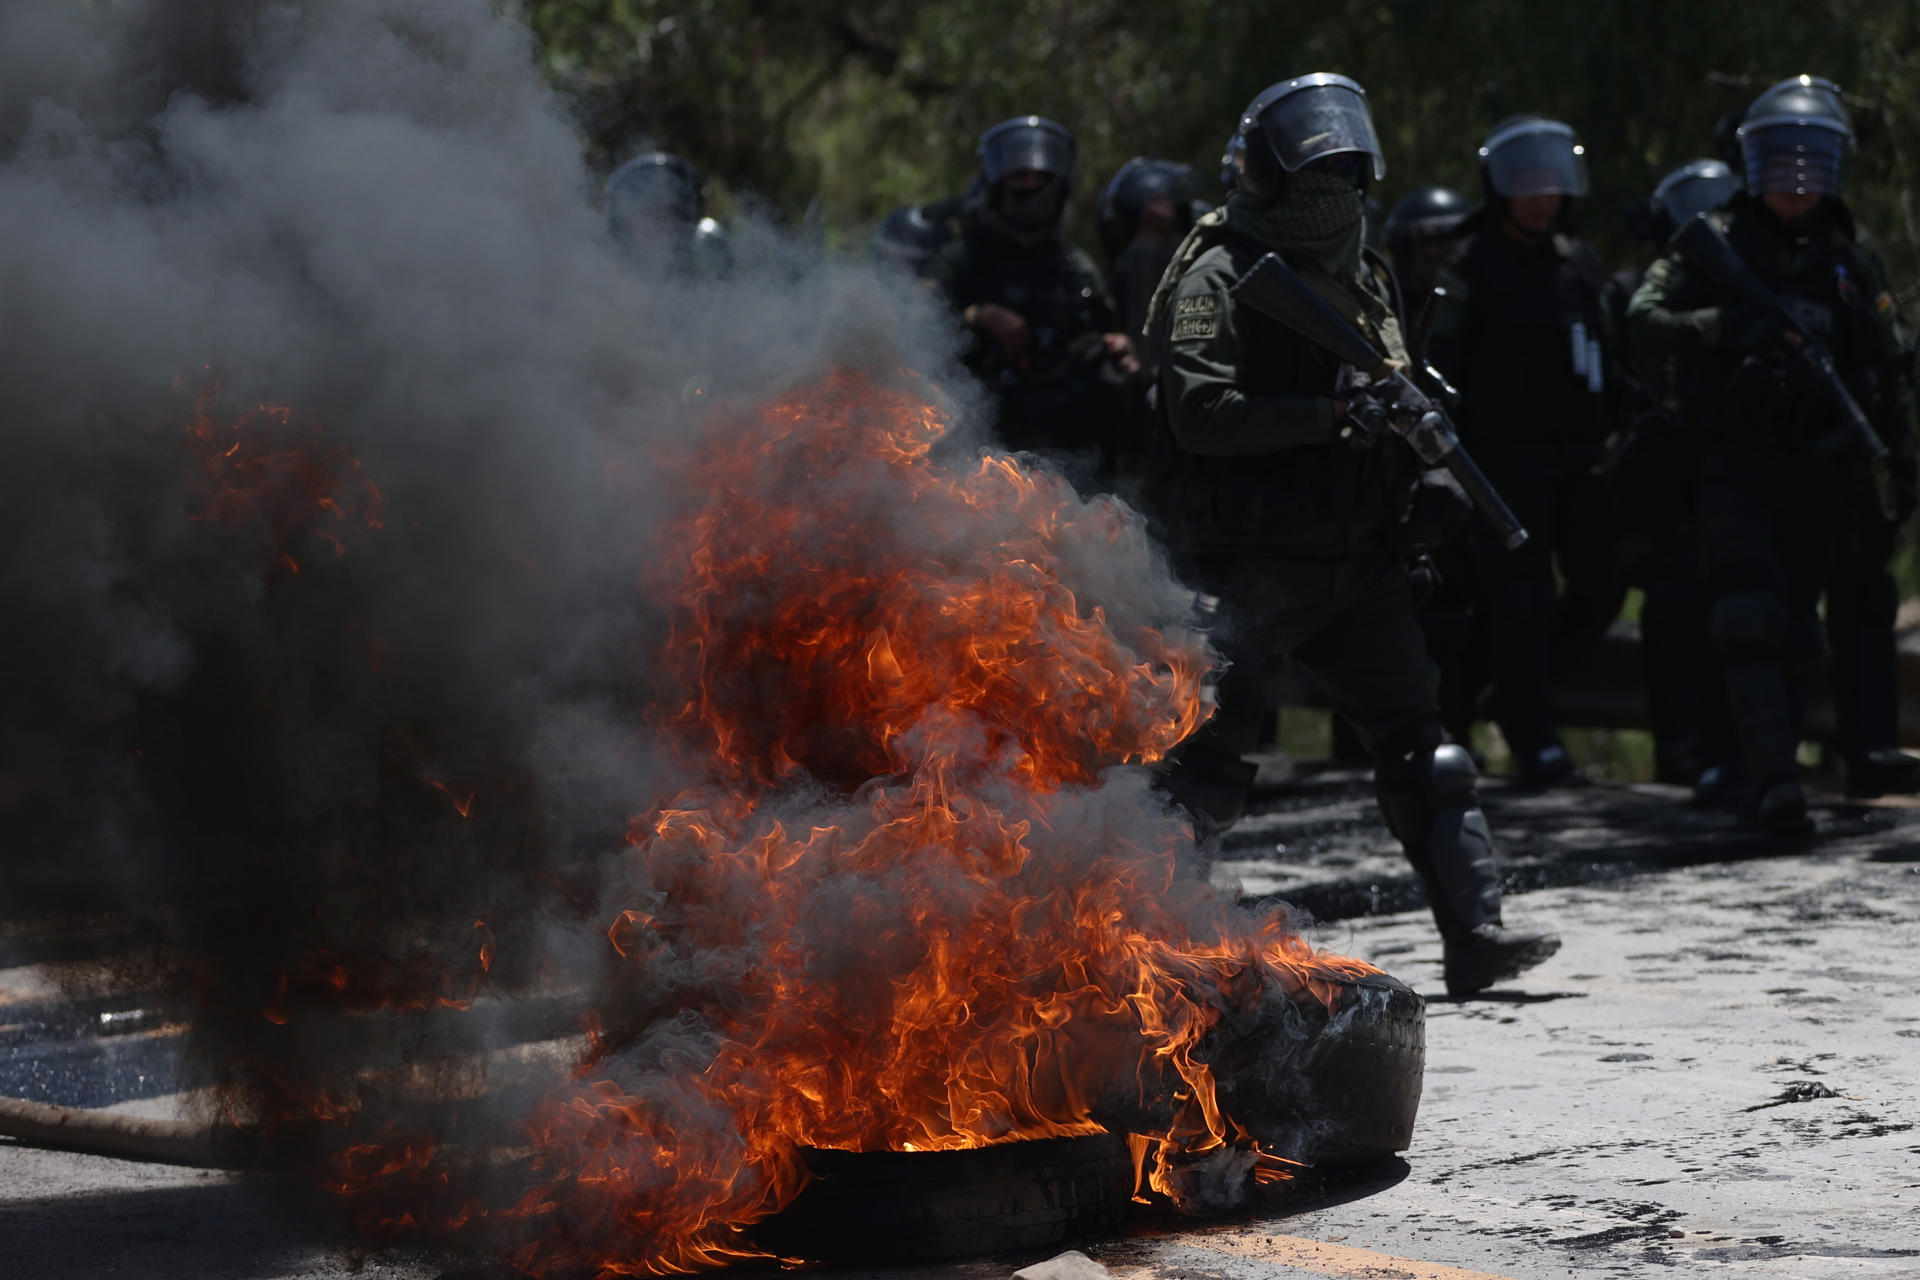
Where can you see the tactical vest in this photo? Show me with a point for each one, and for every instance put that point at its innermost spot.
(1528, 346)
(1311, 502)
(1049, 398)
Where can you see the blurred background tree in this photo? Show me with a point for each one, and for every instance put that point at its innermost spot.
(864, 108)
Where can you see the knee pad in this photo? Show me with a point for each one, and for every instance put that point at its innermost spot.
(1451, 776)
(1751, 626)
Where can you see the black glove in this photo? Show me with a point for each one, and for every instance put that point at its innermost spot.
(1438, 509)
(1370, 414)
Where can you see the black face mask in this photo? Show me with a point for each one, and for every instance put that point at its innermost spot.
(1032, 211)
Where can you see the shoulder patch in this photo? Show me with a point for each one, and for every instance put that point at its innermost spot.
(1195, 318)
(1883, 305)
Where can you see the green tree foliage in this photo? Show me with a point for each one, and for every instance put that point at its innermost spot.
(870, 106)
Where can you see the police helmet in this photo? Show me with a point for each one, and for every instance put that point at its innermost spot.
(655, 188)
(1027, 142)
(1139, 182)
(1302, 121)
(1426, 213)
(1533, 156)
(1691, 190)
(912, 234)
(1231, 161)
(1795, 138)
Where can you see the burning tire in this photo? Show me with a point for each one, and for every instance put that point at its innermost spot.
(931, 1206)
(1364, 1070)
(1332, 1087)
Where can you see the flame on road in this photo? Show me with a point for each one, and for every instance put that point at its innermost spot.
(910, 899)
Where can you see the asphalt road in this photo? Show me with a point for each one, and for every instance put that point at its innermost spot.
(1720, 1073)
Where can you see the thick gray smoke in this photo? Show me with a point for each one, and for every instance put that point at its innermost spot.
(374, 212)
(259, 716)
(350, 698)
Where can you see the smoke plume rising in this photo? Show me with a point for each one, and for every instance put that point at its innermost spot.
(419, 615)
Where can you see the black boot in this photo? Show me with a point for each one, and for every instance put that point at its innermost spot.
(1780, 806)
(1430, 804)
(1492, 953)
(1763, 716)
(1479, 950)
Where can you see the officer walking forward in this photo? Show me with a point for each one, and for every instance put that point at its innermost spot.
(1046, 336)
(1524, 339)
(1300, 516)
(1782, 303)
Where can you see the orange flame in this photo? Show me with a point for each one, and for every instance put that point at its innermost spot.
(912, 903)
(995, 967)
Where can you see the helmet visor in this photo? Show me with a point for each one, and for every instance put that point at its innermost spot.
(1802, 95)
(1687, 193)
(1540, 158)
(1026, 143)
(1425, 214)
(1793, 155)
(1327, 116)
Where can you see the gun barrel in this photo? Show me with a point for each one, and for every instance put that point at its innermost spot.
(1480, 490)
(1858, 428)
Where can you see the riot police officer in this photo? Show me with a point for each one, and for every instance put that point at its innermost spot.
(1776, 494)
(1422, 235)
(1658, 474)
(1046, 337)
(1524, 340)
(1299, 517)
(913, 233)
(1143, 214)
(1422, 238)
(656, 212)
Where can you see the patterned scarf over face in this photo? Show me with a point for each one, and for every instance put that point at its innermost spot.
(1318, 222)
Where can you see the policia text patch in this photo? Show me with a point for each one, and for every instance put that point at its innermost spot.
(1196, 317)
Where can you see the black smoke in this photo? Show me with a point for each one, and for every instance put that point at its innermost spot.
(360, 768)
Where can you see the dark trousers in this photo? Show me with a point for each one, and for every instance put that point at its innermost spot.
(1455, 620)
(1349, 623)
(1550, 601)
(1769, 524)
(1862, 603)
(1686, 693)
